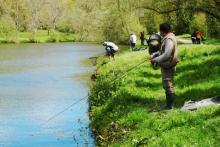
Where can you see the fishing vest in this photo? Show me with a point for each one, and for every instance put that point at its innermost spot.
(173, 59)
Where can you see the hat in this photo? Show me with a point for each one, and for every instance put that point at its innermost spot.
(156, 37)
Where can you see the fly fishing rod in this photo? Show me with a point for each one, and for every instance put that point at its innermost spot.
(85, 97)
(128, 70)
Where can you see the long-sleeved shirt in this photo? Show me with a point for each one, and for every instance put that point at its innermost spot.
(168, 54)
(169, 46)
(112, 46)
(133, 38)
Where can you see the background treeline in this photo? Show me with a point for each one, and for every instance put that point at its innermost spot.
(98, 20)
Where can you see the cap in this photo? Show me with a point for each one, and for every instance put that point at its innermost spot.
(154, 37)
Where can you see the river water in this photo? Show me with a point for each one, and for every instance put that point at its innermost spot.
(38, 81)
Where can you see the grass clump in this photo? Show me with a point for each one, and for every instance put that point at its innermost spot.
(125, 112)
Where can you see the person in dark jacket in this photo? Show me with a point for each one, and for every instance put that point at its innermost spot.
(142, 38)
(193, 37)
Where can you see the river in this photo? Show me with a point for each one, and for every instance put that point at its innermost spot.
(37, 81)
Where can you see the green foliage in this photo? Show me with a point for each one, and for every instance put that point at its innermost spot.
(110, 20)
(212, 41)
(151, 24)
(41, 36)
(199, 23)
(6, 28)
(184, 16)
(65, 26)
(96, 21)
(213, 27)
(126, 112)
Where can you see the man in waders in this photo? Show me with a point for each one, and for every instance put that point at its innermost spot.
(167, 58)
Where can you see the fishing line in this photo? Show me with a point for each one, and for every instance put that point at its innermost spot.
(83, 98)
(64, 110)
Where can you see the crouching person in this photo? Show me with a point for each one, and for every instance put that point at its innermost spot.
(111, 49)
(167, 58)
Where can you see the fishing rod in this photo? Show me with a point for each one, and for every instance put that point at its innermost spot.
(128, 70)
(85, 97)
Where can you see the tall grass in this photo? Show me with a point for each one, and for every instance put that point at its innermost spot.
(126, 112)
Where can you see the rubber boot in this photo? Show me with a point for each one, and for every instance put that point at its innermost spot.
(170, 97)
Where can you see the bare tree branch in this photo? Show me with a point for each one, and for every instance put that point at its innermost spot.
(208, 10)
(157, 10)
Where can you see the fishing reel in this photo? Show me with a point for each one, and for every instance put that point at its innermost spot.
(155, 65)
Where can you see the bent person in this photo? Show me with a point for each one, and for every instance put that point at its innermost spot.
(167, 58)
(111, 49)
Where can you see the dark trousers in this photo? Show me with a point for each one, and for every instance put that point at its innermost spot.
(198, 40)
(193, 41)
(133, 46)
(142, 42)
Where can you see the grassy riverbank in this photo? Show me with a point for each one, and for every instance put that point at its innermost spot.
(41, 36)
(121, 111)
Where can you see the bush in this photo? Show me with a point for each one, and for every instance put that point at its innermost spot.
(7, 27)
(199, 23)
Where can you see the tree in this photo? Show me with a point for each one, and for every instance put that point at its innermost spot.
(87, 19)
(1, 7)
(210, 7)
(97, 21)
(18, 13)
(213, 26)
(52, 11)
(35, 7)
(6, 27)
(180, 13)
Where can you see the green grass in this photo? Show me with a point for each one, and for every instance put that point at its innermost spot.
(212, 41)
(207, 40)
(41, 37)
(125, 112)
